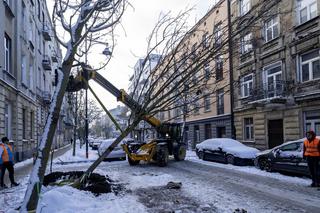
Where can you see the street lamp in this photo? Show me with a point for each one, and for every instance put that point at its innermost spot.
(105, 52)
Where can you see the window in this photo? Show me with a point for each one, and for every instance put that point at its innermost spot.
(248, 129)
(291, 147)
(205, 40)
(245, 43)
(244, 6)
(24, 77)
(246, 86)
(307, 9)
(271, 29)
(310, 65)
(39, 10)
(196, 107)
(8, 119)
(23, 19)
(207, 70)
(273, 80)
(7, 53)
(31, 75)
(24, 123)
(31, 124)
(217, 32)
(207, 131)
(207, 103)
(312, 121)
(220, 102)
(219, 68)
(31, 26)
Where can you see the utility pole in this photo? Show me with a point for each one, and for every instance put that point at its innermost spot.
(230, 49)
(86, 98)
(75, 125)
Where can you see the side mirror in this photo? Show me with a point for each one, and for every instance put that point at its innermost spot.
(220, 149)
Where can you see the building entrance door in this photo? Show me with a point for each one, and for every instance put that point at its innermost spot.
(275, 132)
(221, 132)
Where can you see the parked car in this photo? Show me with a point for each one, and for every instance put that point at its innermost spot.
(226, 150)
(287, 157)
(96, 143)
(118, 152)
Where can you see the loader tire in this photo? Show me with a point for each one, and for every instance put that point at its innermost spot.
(133, 162)
(180, 153)
(162, 157)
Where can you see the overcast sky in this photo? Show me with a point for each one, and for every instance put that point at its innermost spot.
(131, 41)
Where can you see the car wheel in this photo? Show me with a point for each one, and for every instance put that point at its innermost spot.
(230, 159)
(133, 162)
(264, 164)
(201, 155)
(162, 156)
(180, 153)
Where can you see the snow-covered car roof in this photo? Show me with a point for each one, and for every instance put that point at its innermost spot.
(107, 142)
(228, 145)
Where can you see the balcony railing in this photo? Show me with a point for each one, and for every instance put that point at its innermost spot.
(46, 63)
(46, 96)
(46, 33)
(276, 92)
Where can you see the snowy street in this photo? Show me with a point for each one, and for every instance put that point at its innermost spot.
(206, 187)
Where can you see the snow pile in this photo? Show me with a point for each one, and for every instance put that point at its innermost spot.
(80, 155)
(229, 146)
(68, 200)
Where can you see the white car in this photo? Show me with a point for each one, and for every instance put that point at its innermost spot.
(118, 152)
(226, 150)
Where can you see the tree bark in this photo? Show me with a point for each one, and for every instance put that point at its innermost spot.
(35, 182)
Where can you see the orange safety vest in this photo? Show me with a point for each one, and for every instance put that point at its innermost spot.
(6, 157)
(312, 148)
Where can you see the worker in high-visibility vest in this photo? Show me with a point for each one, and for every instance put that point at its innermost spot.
(6, 162)
(311, 151)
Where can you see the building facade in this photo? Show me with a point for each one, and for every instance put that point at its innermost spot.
(276, 68)
(27, 62)
(211, 115)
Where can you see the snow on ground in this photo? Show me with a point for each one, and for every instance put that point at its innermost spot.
(250, 169)
(68, 199)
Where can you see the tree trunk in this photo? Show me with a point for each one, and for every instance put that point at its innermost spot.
(35, 182)
(96, 163)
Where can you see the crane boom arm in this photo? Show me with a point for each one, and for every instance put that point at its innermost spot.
(122, 96)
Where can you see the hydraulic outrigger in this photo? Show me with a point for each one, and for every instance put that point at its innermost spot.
(170, 138)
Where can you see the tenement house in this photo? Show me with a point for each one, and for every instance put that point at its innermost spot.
(210, 115)
(276, 68)
(27, 62)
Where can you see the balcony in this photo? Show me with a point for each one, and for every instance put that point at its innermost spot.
(46, 63)
(276, 92)
(46, 33)
(46, 97)
(54, 58)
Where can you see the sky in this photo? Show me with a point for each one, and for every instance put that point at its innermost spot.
(136, 25)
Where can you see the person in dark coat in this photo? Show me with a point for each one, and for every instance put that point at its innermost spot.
(6, 162)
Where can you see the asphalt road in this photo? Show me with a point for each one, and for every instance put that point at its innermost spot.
(222, 189)
(23, 171)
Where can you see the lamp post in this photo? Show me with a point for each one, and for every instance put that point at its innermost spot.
(105, 52)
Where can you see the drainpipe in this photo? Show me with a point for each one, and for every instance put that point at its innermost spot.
(230, 43)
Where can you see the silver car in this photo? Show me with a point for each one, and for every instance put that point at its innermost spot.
(117, 153)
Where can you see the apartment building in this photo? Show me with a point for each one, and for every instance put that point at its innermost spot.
(211, 115)
(276, 68)
(27, 62)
